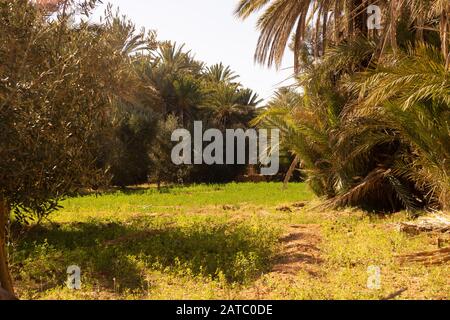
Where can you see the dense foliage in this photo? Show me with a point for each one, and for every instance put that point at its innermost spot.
(370, 121)
(184, 90)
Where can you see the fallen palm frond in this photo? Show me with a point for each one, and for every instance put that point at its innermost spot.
(435, 223)
(436, 257)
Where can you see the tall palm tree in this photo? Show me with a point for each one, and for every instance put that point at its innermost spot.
(433, 10)
(286, 20)
(324, 21)
(174, 58)
(410, 95)
(339, 27)
(283, 20)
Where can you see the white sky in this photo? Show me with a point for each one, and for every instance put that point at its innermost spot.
(210, 30)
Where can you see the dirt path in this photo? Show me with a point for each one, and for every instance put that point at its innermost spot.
(300, 251)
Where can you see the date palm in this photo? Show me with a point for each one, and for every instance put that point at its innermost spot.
(286, 20)
(230, 104)
(220, 73)
(323, 21)
(283, 20)
(410, 96)
(173, 71)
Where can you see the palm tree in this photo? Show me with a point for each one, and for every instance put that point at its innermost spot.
(334, 22)
(229, 104)
(220, 73)
(364, 139)
(433, 10)
(411, 95)
(123, 36)
(174, 58)
(306, 133)
(379, 139)
(189, 95)
(174, 72)
(283, 20)
(278, 113)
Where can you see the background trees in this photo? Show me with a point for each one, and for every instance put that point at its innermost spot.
(180, 90)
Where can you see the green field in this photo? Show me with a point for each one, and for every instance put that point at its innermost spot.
(235, 241)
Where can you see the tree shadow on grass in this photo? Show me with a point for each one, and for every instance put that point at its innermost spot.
(133, 190)
(107, 251)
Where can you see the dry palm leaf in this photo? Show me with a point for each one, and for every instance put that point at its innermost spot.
(436, 257)
(436, 223)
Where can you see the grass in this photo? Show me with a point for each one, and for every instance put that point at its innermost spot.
(121, 204)
(218, 242)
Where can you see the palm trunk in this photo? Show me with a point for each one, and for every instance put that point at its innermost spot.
(350, 19)
(420, 27)
(317, 36)
(291, 171)
(444, 35)
(325, 30)
(337, 22)
(5, 277)
(360, 17)
(158, 183)
(395, 12)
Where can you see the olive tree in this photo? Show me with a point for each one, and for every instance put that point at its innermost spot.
(58, 80)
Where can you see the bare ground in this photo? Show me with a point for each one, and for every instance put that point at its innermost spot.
(300, 251)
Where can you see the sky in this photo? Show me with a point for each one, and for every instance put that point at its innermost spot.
(210, 30)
